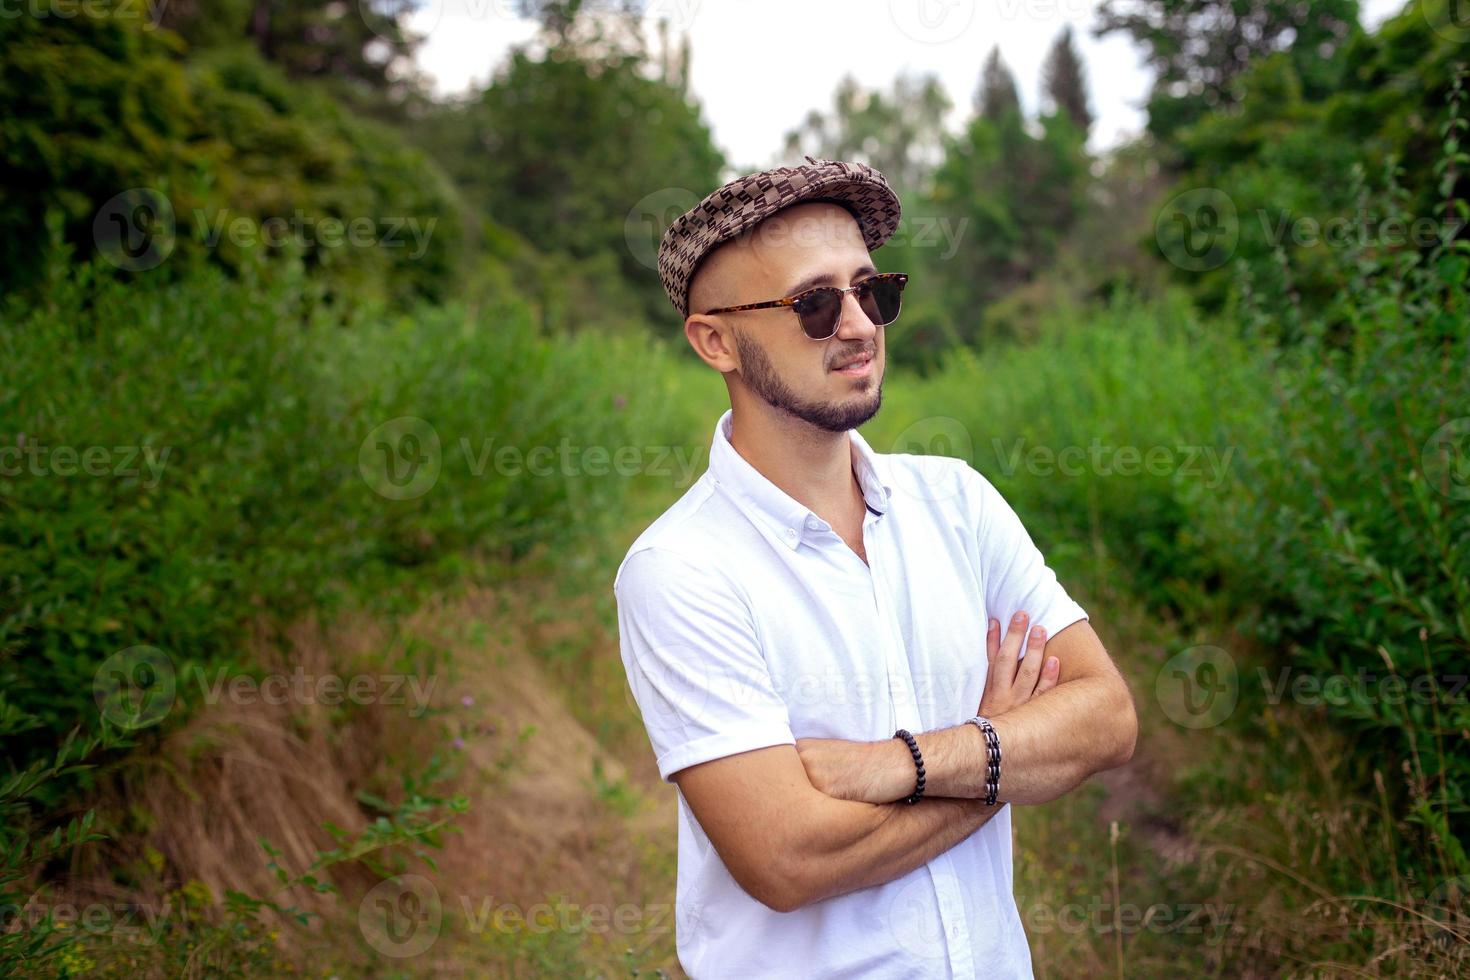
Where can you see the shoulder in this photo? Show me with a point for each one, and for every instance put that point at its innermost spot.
(683, 544)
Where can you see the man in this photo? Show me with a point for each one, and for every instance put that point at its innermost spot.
(811, 629)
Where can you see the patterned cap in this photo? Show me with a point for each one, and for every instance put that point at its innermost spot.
(745, 202)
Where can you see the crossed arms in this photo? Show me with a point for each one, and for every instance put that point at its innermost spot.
(795, 825)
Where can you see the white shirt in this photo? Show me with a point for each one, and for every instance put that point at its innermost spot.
(745, 621)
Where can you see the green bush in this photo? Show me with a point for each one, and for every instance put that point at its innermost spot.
(1056, 426)
(181, 460)
(588, 157)
(1349, 519)
(229, 162)
(1284, 156)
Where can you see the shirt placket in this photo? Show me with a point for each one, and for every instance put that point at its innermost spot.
(906, 715)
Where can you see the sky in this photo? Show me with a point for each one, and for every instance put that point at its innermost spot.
(759, 66)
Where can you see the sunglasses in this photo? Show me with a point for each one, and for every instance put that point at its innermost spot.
(820, 308)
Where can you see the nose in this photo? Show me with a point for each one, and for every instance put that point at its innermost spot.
(855, 324)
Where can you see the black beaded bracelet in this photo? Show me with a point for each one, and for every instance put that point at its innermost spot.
(918, 764)
(992, 758)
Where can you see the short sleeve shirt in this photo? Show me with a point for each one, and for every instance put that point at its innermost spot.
(745, 621)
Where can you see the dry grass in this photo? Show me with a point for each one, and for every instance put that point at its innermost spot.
(552, 813)
(1252, 842)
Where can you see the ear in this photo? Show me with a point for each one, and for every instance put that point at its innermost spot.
(711, 340)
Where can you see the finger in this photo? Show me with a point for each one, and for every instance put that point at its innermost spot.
(1030, 669)
(1010, 650)
(1051, 672)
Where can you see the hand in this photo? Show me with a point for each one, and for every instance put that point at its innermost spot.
(1008, 685)
(848, 770)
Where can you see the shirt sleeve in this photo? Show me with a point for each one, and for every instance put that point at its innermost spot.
(694, 662)
(1015, 575)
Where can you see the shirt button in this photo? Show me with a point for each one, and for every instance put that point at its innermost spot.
(813, 523)
(791, 533)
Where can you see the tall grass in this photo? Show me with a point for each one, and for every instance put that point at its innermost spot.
(188, 463)
(247, 458)
(1330, 809)
(1099, 434)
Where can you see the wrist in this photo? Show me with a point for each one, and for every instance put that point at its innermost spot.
(989, 760)
(892, 772)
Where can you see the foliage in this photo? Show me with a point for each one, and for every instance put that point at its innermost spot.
(1349, 524)
(1099, 433)
(235, 467)
(1011, 197)
(1284, 158)
(996, 98)
(899, 134)
(1197, 48)
(1063, 81)
(221, 160)
(26, 847)
(362, 49)
(587, 159)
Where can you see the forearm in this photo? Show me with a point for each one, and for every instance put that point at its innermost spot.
(1049, 745)
(859, 845)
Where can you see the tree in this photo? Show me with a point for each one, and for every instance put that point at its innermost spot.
(1287, 160)
(565, 151)
(1198, 48)
(1063, 85)
(899, 134)
(996, 98)
(1014, 195)
(364, 45)
(591, 28)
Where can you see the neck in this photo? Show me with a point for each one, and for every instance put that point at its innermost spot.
(811, 465)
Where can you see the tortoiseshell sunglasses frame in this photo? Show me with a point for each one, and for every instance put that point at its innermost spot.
(791, 301)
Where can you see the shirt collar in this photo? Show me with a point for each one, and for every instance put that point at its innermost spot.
(789, 519)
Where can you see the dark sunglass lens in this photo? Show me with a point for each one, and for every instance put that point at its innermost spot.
(819, 312)
(881, 300)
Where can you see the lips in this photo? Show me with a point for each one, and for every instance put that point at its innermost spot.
(854, 362)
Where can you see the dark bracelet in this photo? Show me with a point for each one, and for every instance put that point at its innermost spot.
(918, 764)
(992, 758)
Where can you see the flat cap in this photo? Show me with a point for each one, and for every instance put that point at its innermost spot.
(747, 201)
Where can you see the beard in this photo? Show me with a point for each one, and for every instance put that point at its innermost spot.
(760, 376)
